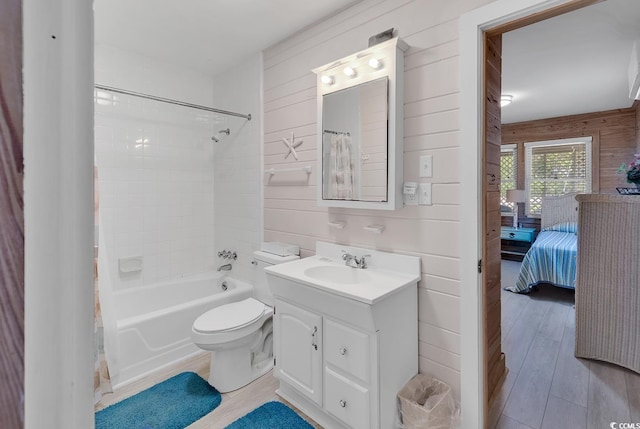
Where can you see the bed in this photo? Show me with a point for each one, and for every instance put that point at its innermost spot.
(553, 255)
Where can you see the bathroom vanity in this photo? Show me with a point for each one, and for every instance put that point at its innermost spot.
(345, 339)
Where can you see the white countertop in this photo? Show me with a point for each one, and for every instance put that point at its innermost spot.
(380, 283)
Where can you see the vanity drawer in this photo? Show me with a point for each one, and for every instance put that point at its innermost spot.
(346, 400)
(347, 349)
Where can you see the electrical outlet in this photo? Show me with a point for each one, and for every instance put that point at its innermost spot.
(411, 199)
(424, 194)
(426, 165)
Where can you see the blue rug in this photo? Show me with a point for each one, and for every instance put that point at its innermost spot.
(173, 404)
(272, 415)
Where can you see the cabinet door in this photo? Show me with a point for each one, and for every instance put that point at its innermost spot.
(298, 349)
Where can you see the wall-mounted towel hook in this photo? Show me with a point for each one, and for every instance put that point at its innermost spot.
(376, 229)
(337, 224)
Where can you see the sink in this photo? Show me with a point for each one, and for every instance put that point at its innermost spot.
(386, 274)
(337, 274)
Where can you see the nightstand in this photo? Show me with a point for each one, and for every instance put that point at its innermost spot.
(516, 241)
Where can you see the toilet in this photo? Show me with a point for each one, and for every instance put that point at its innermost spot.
(239, 335)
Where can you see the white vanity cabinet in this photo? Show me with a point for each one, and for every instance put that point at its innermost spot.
(341, 361)
(344, 347)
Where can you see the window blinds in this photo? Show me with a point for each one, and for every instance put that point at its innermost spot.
(556, 167)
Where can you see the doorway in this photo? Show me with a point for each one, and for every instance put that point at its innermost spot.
(482, 360)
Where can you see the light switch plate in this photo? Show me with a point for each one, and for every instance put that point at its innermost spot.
(424, 194)
(426, 166)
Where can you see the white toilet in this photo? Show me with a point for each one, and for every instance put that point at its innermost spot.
(240, 334)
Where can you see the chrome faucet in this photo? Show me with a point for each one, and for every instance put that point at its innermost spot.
(353, 261)
(225, 267)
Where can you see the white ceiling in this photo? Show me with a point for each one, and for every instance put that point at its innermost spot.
(574, 63)
(206, 35)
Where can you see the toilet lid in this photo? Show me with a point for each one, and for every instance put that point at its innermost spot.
(230, 316)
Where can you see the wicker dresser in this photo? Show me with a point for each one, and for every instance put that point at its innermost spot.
(608, 279)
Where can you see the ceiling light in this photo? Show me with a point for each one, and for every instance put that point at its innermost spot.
(505, 100)
(375, 63)
(349, 71)
(327, 80)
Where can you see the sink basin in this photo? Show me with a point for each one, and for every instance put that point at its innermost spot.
(338, 274)
(386, 274)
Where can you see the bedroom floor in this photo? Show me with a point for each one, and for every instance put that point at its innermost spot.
(547, 386)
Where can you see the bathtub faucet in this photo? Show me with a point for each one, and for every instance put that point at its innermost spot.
(225, 267)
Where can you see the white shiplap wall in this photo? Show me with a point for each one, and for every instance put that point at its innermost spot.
(431, 126)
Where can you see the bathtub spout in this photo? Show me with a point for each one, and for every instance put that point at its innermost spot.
(225, 267)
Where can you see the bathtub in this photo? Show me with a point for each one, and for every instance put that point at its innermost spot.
(153, 323)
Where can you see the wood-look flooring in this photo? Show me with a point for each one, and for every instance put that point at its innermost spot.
(233, 406)
(547, 386)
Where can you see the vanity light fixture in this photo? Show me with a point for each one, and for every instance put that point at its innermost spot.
(327, 80)
(375, 63)
(505, 100)
(349, 71)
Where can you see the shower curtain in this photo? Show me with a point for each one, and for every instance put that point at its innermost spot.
(342, 179)
(101, 378)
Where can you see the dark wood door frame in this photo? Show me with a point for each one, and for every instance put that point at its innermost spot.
(494, 368)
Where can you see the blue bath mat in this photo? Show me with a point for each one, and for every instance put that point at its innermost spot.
(173, 404)
(272, 415)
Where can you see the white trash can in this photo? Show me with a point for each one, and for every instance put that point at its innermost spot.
(426, 403)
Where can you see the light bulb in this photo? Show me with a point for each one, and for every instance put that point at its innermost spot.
(375, 63)
(327, 80)
(349, 71)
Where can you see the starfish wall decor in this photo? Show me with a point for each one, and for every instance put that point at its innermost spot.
(291, 145)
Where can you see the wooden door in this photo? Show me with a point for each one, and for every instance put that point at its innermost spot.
(494, 359)
(11, 217)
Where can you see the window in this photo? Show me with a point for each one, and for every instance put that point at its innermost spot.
(556, 167)
(508, 176)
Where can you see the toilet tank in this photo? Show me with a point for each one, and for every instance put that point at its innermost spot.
(264, 259)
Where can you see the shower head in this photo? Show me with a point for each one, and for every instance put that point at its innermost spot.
(226, 131)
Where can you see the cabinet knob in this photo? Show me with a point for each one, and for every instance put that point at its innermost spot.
(343, 403)
(343, 351)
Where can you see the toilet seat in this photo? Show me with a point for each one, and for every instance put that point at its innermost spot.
(230, 316)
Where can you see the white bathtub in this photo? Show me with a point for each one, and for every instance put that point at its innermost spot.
(153, 323)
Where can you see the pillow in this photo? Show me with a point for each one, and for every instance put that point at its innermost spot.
(563, 227)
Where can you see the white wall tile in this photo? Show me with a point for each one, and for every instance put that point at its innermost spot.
(237, 167)
(155, 164)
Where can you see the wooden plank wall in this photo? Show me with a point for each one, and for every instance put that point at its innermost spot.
(11, 217)
(431, 127)
(616, 132)
(494, 361)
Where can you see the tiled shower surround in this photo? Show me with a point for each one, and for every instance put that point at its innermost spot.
(156, 172)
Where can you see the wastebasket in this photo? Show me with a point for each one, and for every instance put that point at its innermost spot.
(426, 403)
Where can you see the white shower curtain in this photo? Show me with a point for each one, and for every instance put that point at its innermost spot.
(342, 175)
(101, 377)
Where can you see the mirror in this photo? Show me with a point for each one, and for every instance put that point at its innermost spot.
(354, 143)
(360, 128)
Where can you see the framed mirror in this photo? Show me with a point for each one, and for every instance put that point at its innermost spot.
(360, 136)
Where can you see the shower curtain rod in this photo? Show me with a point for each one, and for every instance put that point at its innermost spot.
(170, 101)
